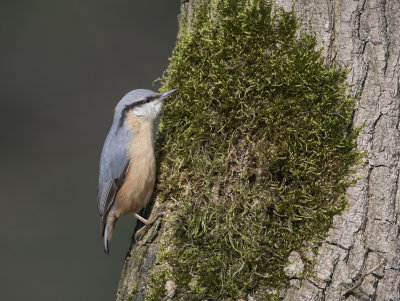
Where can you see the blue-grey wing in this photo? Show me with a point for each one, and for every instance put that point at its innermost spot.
(114, 162)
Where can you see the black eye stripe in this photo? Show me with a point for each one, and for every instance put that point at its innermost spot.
(140, 102)
(127, 108)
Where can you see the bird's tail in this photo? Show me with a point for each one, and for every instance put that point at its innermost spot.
(105, 237)
(107, 228)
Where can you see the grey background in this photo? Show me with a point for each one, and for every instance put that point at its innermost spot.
(63, 67)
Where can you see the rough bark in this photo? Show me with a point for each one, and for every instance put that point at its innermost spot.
(360, 258)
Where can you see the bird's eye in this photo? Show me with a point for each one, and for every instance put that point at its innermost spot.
(151, 98)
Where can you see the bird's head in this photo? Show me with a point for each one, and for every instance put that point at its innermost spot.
(143, 103)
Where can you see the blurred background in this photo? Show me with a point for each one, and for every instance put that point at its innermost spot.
(64, 66)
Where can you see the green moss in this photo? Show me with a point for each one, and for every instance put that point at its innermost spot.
(157, 289)
(135, 290)
(256, 148)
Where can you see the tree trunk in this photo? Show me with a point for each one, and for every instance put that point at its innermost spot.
(360, 258)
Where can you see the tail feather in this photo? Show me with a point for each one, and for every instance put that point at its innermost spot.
(103, 223)
(105, 236)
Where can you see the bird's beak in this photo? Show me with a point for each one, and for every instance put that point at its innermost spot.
(166, 94)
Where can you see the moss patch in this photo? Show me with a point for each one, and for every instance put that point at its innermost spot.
(159, 277)
(256, 148)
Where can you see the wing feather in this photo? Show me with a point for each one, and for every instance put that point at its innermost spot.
(113, 165)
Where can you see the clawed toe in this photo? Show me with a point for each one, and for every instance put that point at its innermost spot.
(160, 214)
(147, 224)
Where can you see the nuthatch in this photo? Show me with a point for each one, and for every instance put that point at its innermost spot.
(127, 164)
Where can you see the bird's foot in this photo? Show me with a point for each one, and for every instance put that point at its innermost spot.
(147, 224)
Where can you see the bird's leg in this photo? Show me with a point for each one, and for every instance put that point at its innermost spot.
(142, 219)
(146, 222)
